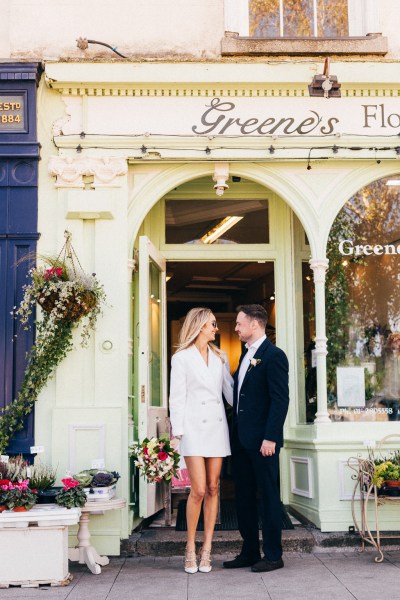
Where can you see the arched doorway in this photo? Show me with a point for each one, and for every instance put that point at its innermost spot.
(188, 257)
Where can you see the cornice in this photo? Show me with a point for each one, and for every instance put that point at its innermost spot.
(286, 78)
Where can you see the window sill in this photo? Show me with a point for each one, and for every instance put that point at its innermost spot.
(233, 44)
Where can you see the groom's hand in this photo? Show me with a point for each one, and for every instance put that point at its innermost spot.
(267, 448)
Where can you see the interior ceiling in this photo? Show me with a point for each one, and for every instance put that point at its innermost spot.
(218, 279)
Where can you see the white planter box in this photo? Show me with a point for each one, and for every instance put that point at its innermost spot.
(101, 493)
(38, 553)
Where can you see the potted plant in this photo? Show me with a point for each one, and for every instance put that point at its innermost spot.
(386, 474)
(98, 484)
(42, 477)
(3, 488)
(72, 494)
(19, 496)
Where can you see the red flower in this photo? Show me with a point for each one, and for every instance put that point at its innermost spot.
(162, 455)
(4, 481)
(145, 451)
(54, 272)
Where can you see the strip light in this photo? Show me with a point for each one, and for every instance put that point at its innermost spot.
(219, 229)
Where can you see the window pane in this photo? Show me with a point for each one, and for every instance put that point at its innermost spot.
(207, 222)
(264, 18)
(333, 18)
(155, 335)
(298, 19)
(363, 307)
(309, 342)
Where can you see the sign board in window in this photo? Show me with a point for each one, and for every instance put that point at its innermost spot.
(12, 113)
(350, 387)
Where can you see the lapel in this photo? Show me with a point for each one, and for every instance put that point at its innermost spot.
(235, 382)
(208, 372)
(258, 354)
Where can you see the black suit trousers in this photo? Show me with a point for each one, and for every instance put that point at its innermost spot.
(256, 477)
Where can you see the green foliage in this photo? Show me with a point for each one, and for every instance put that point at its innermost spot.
(386, 471)
(337, 299)
(71, 497)
(46, 354)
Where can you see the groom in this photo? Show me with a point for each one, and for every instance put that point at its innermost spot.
(261, 399)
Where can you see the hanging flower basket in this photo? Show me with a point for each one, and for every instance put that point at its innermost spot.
(78, 305)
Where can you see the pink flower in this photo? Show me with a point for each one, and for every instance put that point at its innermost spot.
(70, 483)
(158, 479)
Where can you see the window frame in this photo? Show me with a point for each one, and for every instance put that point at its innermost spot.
(364, 19)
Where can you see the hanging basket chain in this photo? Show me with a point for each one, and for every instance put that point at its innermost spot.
(68, 252)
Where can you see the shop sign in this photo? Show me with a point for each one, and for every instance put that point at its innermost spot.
(12, 113)
(249, 116)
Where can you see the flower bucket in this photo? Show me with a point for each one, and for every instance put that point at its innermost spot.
(2, 507)
(20, 509)
(76, 306)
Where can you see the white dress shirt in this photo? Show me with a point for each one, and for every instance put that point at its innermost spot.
(244, 365)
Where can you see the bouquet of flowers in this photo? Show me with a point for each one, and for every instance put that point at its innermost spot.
(18, 494)
(72, 494)
(156, 459)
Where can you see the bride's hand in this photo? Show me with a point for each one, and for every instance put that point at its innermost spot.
(175, 443)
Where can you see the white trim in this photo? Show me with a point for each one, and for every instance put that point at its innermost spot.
(305, 460)
(73, 428)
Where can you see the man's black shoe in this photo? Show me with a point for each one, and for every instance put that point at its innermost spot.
(239, 562)
(264, 565)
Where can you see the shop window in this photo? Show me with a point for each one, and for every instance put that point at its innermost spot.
(298, 18)
(310, 360)
(363, 306)
(216, 222)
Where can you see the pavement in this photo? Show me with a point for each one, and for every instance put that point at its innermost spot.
(306, 576)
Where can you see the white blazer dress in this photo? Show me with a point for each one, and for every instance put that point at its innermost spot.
(196, 406)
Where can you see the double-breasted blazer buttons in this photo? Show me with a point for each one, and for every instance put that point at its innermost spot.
(196, 407)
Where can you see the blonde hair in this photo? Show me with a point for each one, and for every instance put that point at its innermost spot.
(192, 325)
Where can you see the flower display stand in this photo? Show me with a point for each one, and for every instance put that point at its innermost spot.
(35, 546)
(84, 552)
(366, 490)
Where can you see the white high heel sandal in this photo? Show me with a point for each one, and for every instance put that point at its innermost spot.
(191, 562)
(205, 561)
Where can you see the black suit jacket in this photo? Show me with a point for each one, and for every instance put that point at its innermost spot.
(264, 398)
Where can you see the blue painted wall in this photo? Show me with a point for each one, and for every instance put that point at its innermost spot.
(19, 154)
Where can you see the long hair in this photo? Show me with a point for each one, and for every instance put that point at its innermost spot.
(192, 325)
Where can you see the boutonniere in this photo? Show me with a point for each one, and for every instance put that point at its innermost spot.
(254, 362)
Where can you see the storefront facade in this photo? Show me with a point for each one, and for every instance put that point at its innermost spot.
(131, 154)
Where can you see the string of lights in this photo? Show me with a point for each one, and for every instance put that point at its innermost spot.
(270, 151)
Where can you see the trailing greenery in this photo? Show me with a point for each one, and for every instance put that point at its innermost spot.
(46, 354)
(67, 295)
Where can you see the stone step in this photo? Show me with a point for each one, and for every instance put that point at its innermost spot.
(165, 541)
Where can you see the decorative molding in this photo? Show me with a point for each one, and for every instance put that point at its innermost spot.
(70, 171)
(356, 90)
(73, 429)
(320, 346)
(303, 460)
(320, 267)
(130, 346)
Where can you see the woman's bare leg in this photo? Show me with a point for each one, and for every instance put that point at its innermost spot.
(213, 471)
(197, 472)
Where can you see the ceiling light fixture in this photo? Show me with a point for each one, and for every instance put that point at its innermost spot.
(219, 229)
